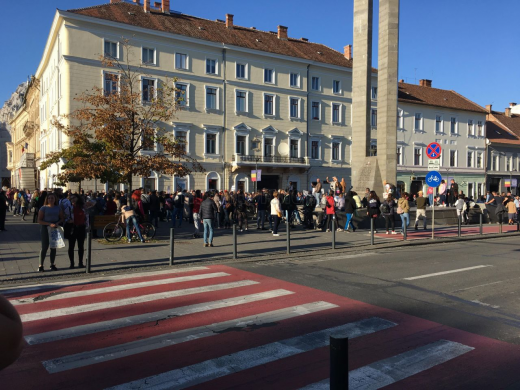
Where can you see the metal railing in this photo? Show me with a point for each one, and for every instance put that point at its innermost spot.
(269, 159)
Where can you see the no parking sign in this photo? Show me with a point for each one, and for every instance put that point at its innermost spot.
(433, 150)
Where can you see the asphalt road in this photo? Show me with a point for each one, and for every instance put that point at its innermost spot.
(483, 299)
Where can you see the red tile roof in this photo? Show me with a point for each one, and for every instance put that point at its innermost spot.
(416, 94)
(497, 133)
(510, 122)
(214, 31)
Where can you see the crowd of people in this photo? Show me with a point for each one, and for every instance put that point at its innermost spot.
(317, 209)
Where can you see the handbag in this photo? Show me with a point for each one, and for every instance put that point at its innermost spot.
(279, 214)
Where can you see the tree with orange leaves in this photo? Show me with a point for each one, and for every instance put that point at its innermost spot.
(119, 131)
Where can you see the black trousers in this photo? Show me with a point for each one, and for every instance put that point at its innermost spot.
(78, 235)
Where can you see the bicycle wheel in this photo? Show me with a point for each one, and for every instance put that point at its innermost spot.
(147, 230)
(113, 232)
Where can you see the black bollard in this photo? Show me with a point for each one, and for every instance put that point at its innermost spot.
(334, 232)
(371, 231)
(500, 226)
(480, 224)
(172, 234)
(89, 252)
(405, 229)
(235, 241)
(459, 227)
(338, 363)
(518, 224)
(288, 235)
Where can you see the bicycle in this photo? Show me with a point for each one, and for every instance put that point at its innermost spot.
(114, 231)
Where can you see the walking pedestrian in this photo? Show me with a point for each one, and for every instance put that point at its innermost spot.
(350, 209)
(387, 209)
(403, 209)
(421, 202)
(49, 216)
(208, 209)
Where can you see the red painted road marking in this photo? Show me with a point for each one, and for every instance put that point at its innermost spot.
(489, 365)
(446, 232)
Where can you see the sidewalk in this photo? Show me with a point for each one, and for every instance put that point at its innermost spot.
(20, 246)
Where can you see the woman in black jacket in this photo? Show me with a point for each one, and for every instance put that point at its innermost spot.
(350, 209)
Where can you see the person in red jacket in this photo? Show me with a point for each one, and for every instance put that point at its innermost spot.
(329, 209)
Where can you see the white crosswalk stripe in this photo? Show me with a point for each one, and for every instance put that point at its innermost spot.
(236, 362)
(103, 326)
(153, 343)
(131, 301)
(121, 287)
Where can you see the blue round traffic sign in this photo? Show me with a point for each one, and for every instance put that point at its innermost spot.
(433, 150)
(433, 179)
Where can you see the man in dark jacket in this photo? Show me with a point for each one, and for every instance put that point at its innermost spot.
(208, 208)
(240, 205)
(261, 206)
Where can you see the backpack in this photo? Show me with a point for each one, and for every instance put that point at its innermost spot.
(385, 208)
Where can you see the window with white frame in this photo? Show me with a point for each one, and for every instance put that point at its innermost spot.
(336, 86)
(181, 61)
(148, 89)
(181, 94)
(241, 101)
(453, 158)
(268, 146)
(211, 142)
(241, 71)
(315, 83)
(439, 124)
(181, 137)
(336, 150)
(471, 190)
(269, 104)
(471, 159)
(315, 149)
(509, 163)
(471, 127)
(374, 93)
(480, 160)
(269, 76)
(294, 148)
(110, 83)
(481, 188)
(111, 49)
(400, 118)
(399, 155)
(294, 80)
(373, 148)
(336, 113)
(453, 125)
(211, 98)
(418, 122)
(495, 163)
(211, 66)
(240, 143)
(212, 181)
(373, 117)
(316, 111)
(148, 56)
(417, 155)
(294, 107)
(480, 128)
(148, 140)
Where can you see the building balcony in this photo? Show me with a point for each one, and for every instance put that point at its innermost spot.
(285, 161)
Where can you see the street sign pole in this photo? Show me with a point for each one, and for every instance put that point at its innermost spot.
(433, 178)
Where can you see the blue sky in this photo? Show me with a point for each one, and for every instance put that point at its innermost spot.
(470, 46)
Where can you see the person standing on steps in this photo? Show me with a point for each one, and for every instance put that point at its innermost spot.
(50, 215)
(453, 193)
(208, 209)
(421, 210)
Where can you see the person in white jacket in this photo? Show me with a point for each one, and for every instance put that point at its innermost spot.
(276, 213)
(460, 205)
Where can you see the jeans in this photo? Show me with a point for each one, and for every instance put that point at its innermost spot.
(296, 214)
(177, 212)
(430, 199)
(405, 217)
(276, 223)
(317, 196)
(260, 219)
(44, 234)
(208, 227)
(133, 220)
(349, 220)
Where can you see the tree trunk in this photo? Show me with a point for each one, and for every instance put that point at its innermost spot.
(129, 183)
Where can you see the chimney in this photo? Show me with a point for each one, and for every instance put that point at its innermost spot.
(512, 105)
(282, 32)
(166, 6)
(425, 83)
(348, 52)
(229, 20)
(146, 5)
(156, 4)
(488, 108)
(507, 112)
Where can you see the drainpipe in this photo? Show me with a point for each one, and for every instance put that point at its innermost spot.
(308, 116)
(224, 123)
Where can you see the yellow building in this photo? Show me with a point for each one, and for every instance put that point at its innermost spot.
(24, 148)
(253, 98)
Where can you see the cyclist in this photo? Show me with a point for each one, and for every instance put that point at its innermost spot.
(129, 218)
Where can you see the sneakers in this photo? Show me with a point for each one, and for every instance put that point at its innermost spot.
(276, 235)
(394, 232)
(387, 232)
(205, 244)
(328, 230)
(53, 268)
(40, 268)
(210, 244)
(339, 230)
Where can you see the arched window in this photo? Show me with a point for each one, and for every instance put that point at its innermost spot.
(241, 182)
(150, 183)
(212, 181)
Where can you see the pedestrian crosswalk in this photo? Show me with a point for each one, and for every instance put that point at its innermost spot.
(218, 327)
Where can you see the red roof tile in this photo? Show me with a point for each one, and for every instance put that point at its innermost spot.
(214, 31)
(510, 122)
(498, 133)
(416, 94)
